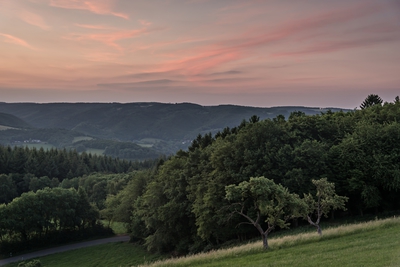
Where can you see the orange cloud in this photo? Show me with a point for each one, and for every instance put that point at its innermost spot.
(103, 7)
(15, 40)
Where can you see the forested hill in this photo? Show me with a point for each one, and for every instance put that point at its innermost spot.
(12, 121)
(136, 121)
(217, 190)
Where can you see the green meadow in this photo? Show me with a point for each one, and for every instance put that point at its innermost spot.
(113, 254)
(373, 243)
(3, 127)
(81, 138)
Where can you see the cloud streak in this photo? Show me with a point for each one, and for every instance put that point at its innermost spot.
(223, 52)
(15, 40)
(109, 39)
(33, 19)
(103, 7)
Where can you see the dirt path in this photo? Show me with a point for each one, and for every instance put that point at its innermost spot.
(49, 251)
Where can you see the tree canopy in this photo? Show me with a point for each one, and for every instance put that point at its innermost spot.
(262, 198)
(323, 202)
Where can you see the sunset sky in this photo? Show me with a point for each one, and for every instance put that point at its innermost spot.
(262, 53)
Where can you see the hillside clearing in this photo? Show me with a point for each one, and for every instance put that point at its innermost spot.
(81, 138)
(3, 127)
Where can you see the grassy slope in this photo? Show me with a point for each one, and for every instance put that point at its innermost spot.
(375, 243)
(375, 248)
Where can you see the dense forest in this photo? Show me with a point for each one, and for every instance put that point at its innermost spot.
(189, 202)
(183, 206)
(55, 196)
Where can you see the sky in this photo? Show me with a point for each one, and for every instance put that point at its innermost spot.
(263, 53)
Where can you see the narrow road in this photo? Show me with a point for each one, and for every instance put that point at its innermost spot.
(49, 251)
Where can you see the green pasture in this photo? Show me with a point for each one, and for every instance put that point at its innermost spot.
(112, 254)
(145, 145)
(3, 127)
(81, 138)
(374, 243)
(149, 140)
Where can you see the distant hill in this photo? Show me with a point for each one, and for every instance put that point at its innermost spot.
(137, 121)
(12, 121)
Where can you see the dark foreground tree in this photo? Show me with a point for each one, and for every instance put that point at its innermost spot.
(370, 101)
(260, 197)
(326, 199)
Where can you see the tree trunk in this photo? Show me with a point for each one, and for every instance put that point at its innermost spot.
(319, 230)
(265, 240)
(315, 224)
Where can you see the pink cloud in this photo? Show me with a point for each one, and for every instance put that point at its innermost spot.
(33, 19)
(20, 10)
(168, 43)
(234, 49)
(307, 25)
(103, 7)
(334, 46)
(109, 39)
(15, 40)
(145, 22)
(93, 27)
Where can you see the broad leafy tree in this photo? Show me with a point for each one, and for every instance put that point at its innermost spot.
(323, 202)
(261, 199)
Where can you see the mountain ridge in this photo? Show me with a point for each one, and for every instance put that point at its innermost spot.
(139, 120)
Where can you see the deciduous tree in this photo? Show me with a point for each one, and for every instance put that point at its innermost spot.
(262, 198)
(324, 201)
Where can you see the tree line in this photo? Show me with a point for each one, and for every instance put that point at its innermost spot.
(57, 163)
(47, 216)
(184, 206)
(24, 169)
